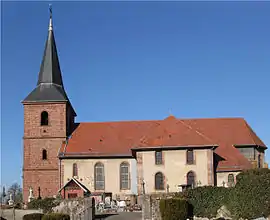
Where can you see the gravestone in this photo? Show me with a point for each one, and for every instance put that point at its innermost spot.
(10, 201)
(223, 213)
(31, 196)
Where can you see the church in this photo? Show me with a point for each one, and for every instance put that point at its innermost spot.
(124, 159)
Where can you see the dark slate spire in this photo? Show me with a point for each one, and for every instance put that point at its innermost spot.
(50, 71)
(50, 84)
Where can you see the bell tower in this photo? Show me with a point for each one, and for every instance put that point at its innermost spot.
(48, 121)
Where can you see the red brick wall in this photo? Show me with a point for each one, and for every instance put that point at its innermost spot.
(65, 193)
(47, 180)
(37, 172)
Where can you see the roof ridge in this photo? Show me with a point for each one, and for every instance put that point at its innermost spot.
(123, 121)
(158, 120)
(199, 133)
(214, 118)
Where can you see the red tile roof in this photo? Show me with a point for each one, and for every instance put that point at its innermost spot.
(118, 138)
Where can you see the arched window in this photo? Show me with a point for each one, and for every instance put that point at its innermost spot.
(230, 180)
(44, 118)
(124, 175)
(159, 181)
(191, 179)
(74, 170)
(44, 154)
(99, 176)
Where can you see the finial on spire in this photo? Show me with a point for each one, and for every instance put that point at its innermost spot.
(170, 112)
(50, 24)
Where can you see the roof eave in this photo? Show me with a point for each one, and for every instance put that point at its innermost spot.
(89, 156)
(250, 145)
(174, 147)
(42, 101)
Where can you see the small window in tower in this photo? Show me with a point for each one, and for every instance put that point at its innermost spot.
(44, 118)
(44, 154)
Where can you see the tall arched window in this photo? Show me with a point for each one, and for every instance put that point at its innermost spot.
(99, 176)
(75, 170)
(124, 175)
(191, 178)
(230, 180)
(44, 154)
(44, 118)
(159, 181)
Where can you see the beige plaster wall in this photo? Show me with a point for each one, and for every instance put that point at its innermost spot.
(111, 169)
(175, 168)
(223, 176)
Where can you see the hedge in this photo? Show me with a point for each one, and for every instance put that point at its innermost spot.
(56, 216)
(45, 204)
(33, 216)
(251, 196)
(249, 199)
(207, 200)
(174, 209)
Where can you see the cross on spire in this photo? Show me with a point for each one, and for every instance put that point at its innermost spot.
(50, 8)
(50, 23)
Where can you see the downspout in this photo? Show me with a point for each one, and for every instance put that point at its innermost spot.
(212, 164)
(60, 160)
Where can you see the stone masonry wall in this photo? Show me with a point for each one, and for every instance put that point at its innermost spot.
(150, 205)
(82, 208)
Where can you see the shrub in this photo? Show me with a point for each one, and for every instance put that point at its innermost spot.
(174, 209)
(33, 216)
(207, 200)
(249, 199)
(56, 216)
(251, 196)
(45, 204)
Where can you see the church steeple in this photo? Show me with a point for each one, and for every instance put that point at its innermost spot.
(50, 71)
(50, 84)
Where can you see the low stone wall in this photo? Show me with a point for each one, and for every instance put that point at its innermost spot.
(150, 205)
(19, 213)
(77, 208)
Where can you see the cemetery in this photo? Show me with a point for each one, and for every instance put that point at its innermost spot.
(248, 199)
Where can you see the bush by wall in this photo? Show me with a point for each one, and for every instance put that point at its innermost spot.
(251, 196)
(56, 216)
(207, 200)
(249, 199)
(175, 209)
(33, 216)
(45, 204)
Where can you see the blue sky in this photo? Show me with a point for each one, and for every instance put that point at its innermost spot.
(138, 60)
